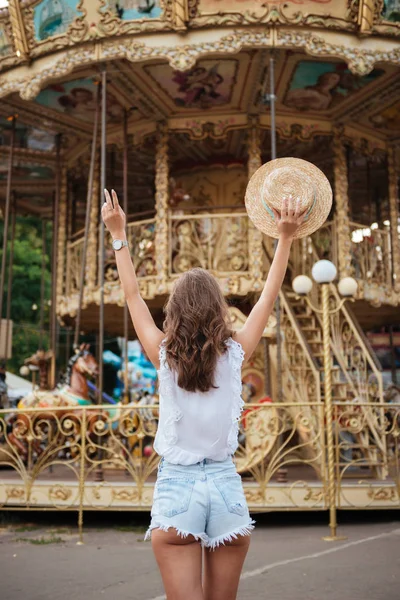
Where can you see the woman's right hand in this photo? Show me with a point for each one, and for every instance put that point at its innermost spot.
(290, 218)
(113, 216)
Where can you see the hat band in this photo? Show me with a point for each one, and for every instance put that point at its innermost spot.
(271, 213)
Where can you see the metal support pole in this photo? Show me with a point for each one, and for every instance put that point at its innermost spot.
(125, 205)
(7, 216)
(10, 279)
(272, 100)
(101, 240)
(329, 416)
(99, 470)
(87, 221)
(53, 315)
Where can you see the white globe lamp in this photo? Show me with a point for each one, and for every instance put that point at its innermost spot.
(324, 271)
(24, 371)
(302, 285)
(348, 287)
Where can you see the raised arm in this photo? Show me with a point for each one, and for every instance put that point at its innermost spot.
(288, 222)
(149, 334)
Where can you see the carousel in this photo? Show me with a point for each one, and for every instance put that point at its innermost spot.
(175, 104)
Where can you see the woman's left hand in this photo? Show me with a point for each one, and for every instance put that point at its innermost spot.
(113, 216)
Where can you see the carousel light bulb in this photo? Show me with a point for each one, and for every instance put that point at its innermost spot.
(324, 271)
(24, 371)
(302, 285)
(348, 287)
(34, 307)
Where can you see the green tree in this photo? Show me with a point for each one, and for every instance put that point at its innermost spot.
(25, 291)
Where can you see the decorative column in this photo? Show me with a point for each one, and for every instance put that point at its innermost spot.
(181, 16)
(62, 237)
(161, 184)
(342, 203)
(92, 250)
(254, 236)
(394, 216)
(365, 17)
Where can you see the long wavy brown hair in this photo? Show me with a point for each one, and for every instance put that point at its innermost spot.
(196, 328)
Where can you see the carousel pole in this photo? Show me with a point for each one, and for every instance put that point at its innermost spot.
(54, 257)
(7, 215)
(98, 474)
(10, 277)
(87, 220)
(125, 196)
(272, 100)
(101, 240)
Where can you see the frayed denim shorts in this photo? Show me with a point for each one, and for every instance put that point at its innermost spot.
(205, 500)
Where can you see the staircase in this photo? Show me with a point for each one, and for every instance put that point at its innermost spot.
(356, 379)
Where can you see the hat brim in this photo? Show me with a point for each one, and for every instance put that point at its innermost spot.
(319, 211)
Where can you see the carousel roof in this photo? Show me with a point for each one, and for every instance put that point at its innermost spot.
(206, 92)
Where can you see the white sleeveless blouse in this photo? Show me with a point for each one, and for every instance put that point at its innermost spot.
(197, 425)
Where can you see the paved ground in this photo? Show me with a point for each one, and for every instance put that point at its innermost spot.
(288, 560)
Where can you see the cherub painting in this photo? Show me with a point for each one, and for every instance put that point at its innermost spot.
(321, 86)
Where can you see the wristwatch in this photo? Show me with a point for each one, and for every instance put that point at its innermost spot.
(118, 244)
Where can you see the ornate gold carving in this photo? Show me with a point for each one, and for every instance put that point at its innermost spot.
(62, 236)
(8, 58)
(59, 492)
(181, 16)
(77, 32)
(342, 204)
(162, 196)
(218, 243)
(254, 236)
(393, 169)
(366, 13)
(111, 24)
(280, 13)
(127, 495)
(183, 57)
(17, 23)
(360, 61)
(387, 494)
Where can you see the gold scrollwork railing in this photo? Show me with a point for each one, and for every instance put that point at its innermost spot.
(141, 240)
(354, 458)
(306, 251)
(101, 457)
(217, 242)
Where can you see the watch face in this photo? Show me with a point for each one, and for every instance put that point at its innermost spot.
(117, 244)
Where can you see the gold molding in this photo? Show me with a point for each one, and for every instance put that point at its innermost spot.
(366, 14)
(92, 249)
(183, 57)
(110, 24)
(77, 32)
(275, 14)
(18, 29)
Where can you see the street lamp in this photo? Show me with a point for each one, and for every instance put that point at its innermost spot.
(324, 272)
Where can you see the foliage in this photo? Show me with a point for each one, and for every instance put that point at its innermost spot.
(26, 284)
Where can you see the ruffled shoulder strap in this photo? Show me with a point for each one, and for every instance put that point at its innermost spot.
(236, 357)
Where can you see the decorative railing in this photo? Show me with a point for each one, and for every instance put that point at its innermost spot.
(101, 457)
(217, 242)
(371, 255)
(305, 251)
(141, 240)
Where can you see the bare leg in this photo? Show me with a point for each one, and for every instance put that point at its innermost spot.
(179, 561)
(222, 569)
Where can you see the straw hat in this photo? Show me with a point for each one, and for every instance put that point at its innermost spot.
(278, 179)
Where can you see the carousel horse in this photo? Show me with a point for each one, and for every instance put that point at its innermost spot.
(75, 392)
(41, 360)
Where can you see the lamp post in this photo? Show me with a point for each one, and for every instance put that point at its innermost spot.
(324, 272)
